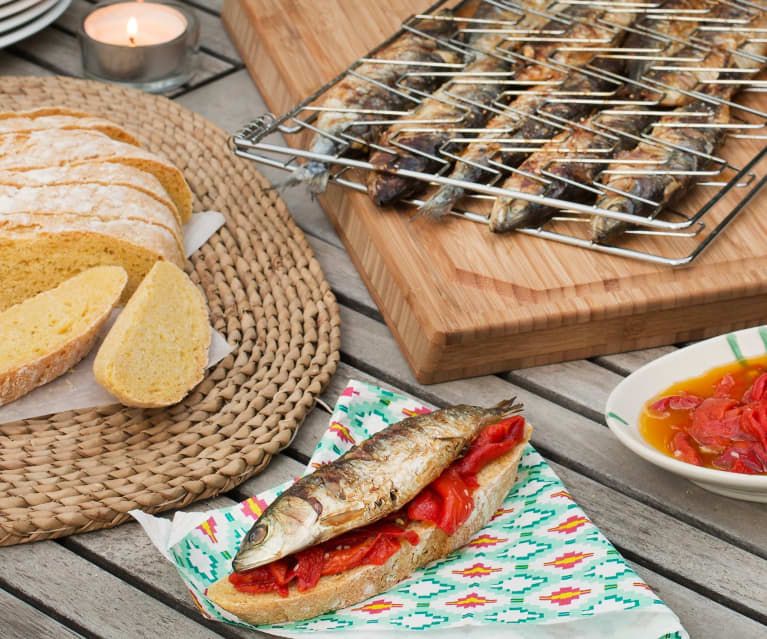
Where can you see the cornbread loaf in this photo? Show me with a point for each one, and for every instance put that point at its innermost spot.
(334, 592)
(38, 252)
(90, 201)
(52, 118)
(157, 349)
(106, 174)
(43, 149)
(44, 336)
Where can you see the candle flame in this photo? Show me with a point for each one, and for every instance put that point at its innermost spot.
(132, 28)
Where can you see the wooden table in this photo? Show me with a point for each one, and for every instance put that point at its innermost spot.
(706, 556)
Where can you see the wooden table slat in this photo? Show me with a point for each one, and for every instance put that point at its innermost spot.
(22, 621)
(90, 598)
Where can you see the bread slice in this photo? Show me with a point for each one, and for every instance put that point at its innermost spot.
(157, 349)
(40, 149)
(39, 252)
(46, 335)
(106, 174)
(90, 201)
(353, 586)
(51, 118)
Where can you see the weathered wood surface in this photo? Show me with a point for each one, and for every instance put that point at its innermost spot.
(704, 555)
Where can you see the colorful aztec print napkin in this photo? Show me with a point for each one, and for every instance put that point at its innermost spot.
(539, 569)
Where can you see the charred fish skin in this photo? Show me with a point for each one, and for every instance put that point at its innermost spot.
(720, 43)
(583, 143)
(478, 155)
(606, 230)
(385, 188)
(638, 66)
(369, 482)
(661, 188)
(461, 105)
(354, 92)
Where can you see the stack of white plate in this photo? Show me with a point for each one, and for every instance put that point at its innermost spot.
(19, 19)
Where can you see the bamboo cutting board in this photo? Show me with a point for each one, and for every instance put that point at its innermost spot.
(462, 301)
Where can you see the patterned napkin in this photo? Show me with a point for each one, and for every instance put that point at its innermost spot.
(539, 568)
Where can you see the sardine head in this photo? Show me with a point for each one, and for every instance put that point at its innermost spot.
(276, 534)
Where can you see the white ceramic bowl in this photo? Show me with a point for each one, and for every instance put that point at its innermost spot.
(628, 398)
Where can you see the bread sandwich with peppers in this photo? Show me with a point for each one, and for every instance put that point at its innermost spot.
(412, 493)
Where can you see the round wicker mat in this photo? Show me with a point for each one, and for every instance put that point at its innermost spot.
(84, 470)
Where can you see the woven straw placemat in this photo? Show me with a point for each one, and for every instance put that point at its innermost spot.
(84, 470)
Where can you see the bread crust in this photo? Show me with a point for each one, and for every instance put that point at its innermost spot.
(40, 149)
(19, 380)
(91, 201)
(47, 119)
(151, 237)
(353, 586)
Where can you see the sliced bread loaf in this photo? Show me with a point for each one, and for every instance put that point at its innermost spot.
(39, 252)
(107, 173)
(40, 149)
(90, 200)
(46, 335)
(157, 349)
(43, 119)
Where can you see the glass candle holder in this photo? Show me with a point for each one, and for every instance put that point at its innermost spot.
(150, 46)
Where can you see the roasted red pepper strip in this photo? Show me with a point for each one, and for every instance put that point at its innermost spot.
(344, 558)
(457, 503)
(426, 506)
(683, 450)
(383, 548)
(683, 401)
(309, 564)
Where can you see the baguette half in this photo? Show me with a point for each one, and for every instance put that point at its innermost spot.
(334, 592)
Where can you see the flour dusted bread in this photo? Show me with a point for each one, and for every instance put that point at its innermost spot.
(105, 174)
(43, 149)
(46, 335)
(37, 252)
(353, 586)
(57, 118)
(157, 349)
(91, 201)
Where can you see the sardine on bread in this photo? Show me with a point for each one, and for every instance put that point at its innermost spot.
(470, 462)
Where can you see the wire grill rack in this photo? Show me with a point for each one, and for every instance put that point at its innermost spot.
(721, 189)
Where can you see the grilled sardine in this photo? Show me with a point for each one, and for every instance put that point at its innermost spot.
(605, 230)
(566, 157)
(512, 128)
(463, 105)
(649, 187)
(354, 94)
(369, 482)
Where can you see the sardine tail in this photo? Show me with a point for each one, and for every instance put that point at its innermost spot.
(605, 230)
(506, 407)
(441, 203)
(314, 174)
(508, 215)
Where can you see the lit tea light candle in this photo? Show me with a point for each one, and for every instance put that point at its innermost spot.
(149, 45)
(137, 24)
